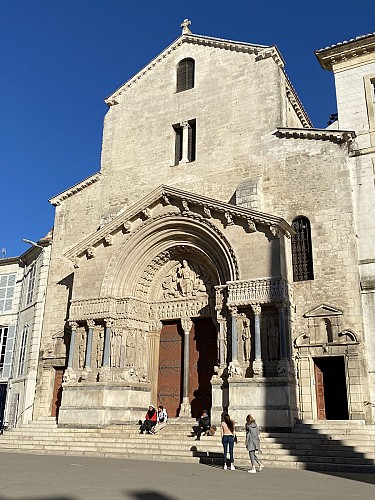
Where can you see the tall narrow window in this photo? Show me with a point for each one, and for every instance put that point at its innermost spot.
(3, 345)
(7, 284)
(30, 285)
(185, 74)
(22, 355)
(302, 257)
(185, 142)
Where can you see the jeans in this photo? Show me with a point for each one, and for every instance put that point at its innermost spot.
(228, 441)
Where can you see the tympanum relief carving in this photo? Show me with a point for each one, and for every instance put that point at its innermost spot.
(186, 279)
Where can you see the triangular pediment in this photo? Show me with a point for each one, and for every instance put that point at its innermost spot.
(182, 202)
(323, 310)
(260, 51)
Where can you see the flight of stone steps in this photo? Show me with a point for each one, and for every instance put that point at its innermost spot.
(327, 446)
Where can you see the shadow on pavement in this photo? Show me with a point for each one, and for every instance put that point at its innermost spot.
(148, 495)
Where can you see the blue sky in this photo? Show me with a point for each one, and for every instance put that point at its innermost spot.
(60, 59)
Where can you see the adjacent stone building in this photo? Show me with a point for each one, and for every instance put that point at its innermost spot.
(222, 256)
(23, 283)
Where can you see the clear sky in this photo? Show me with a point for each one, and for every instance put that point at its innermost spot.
(60, 58)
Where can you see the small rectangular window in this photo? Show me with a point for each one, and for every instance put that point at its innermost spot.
(185, 142)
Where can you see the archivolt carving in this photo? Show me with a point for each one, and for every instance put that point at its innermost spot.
(171, 214)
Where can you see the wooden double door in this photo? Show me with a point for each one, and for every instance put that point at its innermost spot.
(202, 359)
(330, 387)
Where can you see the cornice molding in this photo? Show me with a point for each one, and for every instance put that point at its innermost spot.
(59, 198)
(261, 51)
(335, 136)
(341, 52)
(186, 202)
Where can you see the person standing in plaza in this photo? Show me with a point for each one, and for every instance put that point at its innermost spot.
(228, 435)
(253, 443)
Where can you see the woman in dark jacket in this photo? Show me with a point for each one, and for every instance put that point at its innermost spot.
(252, 443)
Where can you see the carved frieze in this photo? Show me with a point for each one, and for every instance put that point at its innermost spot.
(257, 291)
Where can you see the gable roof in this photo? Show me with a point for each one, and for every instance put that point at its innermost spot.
(165, 193)
(260, 51)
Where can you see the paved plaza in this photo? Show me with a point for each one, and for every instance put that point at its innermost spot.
(34, 477)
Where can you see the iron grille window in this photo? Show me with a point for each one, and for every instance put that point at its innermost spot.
(302, 257)
(185, 74)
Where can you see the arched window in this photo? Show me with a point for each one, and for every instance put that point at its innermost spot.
(302, 257)
(185, 74)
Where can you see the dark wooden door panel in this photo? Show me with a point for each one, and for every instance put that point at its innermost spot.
(170, 368)
(202, 359)
(57, 392)
(319, 388)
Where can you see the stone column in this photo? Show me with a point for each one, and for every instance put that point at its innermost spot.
(185, 142)
(234, 369)
(90, 324)
(70, 374)
(185, 405)
(73, 327)
(283, 366)
(222, 332)
(107, 341)
(257, 363)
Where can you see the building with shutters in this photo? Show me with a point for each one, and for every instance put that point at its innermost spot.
(222, 257)
(23, 282)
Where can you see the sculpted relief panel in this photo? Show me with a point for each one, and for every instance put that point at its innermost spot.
(186, 279)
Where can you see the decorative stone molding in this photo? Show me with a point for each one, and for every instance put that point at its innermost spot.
(235, 370)
(262, 291)
(90, 253)
(193, 202)
(108, 240)
(335, 136)
(58, 199)
(345, 51)
(100, 308)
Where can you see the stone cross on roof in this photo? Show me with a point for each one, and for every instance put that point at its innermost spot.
(185, 27)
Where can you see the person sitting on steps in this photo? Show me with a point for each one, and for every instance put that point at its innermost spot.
(204, 424)
(150, 420)
(162, 419)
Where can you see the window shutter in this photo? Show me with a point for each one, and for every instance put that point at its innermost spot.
(185, 75)
(9, 351)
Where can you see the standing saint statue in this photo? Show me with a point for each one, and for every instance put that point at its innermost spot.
(246, 337)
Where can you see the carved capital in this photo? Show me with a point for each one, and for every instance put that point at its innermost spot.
(257, 309)
(109, 322)
(90, 323)
(73, 325)
(233, 311)
(186, 324)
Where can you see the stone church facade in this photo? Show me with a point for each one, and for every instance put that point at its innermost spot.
(213, 261)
